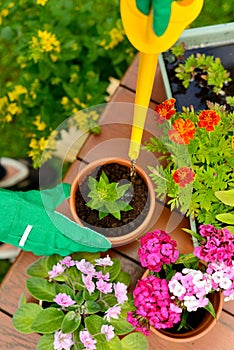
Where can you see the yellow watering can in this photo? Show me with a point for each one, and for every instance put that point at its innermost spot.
(139, 30)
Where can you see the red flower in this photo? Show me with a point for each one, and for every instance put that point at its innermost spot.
(183, 131)
(183, 176)
(166, 108)
(208, 119)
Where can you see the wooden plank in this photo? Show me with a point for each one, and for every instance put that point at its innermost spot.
(130, 77)
(116, 124)
(13, 284)
(11, 339)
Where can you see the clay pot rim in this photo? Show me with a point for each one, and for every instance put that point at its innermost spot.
(129, 237)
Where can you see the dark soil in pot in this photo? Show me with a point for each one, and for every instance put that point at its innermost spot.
(196, 94)
(130, 220)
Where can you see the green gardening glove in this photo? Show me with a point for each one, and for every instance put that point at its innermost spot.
(161, 13)
(30, 222)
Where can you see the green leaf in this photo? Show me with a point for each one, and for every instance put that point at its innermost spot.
(46, 342)
(92, 307)
(24, 316)
(209, 307)
(71, 322)
(124, 277)
(93, 324)
(48, 321)
(41, 289)
(135, 341)
(53, 260)
(38, 268)
(23, 300)
(122, 326)
(114, 270)
(93, 296)
(113, 344)
(227, 218)
(227, 197)
(63, 288)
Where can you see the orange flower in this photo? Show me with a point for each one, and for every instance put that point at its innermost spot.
(208, 119)
(183, 131)
(183, 176)
(166, 108)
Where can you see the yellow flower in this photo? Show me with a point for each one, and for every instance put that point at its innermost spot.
(11, 4)
(41, 2)
(18, 90)
(39, 124)
(8, 118)
(64, 100)
(53, 57)
(3, 102)
(4, 12)
(49, 41)
(13, 108)
(116, 36)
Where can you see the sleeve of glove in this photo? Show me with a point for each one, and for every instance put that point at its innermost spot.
(161, 13)
(26, 224)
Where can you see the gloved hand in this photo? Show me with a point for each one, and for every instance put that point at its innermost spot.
(161, 13)
(29, 221)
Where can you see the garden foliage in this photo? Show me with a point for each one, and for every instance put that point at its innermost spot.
(57, 57)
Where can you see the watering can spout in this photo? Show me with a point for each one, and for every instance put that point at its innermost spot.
(139, 30)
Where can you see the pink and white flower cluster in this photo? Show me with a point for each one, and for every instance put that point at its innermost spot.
(190, 287)
(171, 289)
(94, 277)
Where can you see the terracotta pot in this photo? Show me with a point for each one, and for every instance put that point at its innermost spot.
(136, 232)
(207, 322)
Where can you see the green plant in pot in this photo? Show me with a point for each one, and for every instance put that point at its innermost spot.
(198, 159)
(105, 198)
(197, 75)
(82, 304)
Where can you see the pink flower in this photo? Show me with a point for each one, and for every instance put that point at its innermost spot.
(153, 304)
(104, 261)
(57, 270)
(89, 284)
(67, 261)
(112, 312)
(120, 292)
(136, 323)
(85, 267)
(218, 245)
(104, 287)
(62, 341)
(157, 248)
(100, 276)
(87, 340)
(64, 300)
(108, 331)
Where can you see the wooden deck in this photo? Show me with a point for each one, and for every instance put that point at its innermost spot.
(113, 141)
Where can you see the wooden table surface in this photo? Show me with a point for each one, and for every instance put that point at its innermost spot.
(114, 141)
